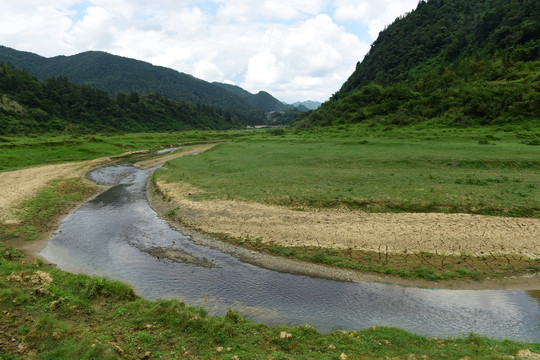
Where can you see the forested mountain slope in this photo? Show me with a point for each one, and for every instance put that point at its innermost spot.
(30, 106)
(114, 74)
(459, 62)
(261, 100)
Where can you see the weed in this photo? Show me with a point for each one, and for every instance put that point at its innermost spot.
(172, 212)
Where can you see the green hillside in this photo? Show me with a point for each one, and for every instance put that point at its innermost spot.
(30, 106)
(456, 63)
(115, 74)
(261, 100)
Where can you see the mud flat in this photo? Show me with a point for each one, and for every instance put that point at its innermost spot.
(449, 234)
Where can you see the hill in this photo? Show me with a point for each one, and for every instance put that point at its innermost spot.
(115, 74)
(456, 62)
(307, 105)
(31, 106)
(262, 100)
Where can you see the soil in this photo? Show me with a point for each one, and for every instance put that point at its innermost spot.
(449, 234)
(206, 231)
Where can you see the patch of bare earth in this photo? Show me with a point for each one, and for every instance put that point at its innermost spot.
(343, 229)
(442, 242)
(21, 185)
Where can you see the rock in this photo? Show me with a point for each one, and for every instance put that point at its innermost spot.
(527, 354)
(144, 356)
(41, 278)
(331, 347)
(55, 304)
(285, 335)
(15, 277)
(343, 356)
(117, 348)
(219, 349)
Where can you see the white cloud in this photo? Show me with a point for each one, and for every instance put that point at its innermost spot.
(316, 57)
(35, 28)
(248, 10)
(94, 31)
(207, 70)
(376, 14)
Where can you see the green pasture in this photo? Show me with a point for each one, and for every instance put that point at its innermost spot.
(20, 152)
(479, 170)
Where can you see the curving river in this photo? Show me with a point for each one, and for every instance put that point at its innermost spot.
(115, 234)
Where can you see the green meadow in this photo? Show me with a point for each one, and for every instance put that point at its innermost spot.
(17, 152)
(485, 171)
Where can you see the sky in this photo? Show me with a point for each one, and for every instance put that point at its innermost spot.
(295, 49)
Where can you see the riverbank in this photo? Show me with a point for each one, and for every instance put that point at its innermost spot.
(441, 208)
(204, 220)
(48, 313)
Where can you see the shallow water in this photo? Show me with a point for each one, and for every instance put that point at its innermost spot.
(107, 237)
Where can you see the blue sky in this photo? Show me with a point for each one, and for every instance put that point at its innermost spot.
(295, 49)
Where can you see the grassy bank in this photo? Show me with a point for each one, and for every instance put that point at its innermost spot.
(39, 214)
(408, 264)
(478, 171)
(50, 314)
(486, 171)
(21, 152)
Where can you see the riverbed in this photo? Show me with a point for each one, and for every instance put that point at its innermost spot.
(117, 235)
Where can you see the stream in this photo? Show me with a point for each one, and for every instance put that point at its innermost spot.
(117, 235)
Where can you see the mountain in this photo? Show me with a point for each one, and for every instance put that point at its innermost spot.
(261, 100)
(31, 106)
(459, 62)
(308, 105)
(114, 74)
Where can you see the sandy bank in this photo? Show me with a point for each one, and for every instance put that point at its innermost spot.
(437, 233)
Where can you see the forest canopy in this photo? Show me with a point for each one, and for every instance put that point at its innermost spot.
(461, 62)
(29, 106)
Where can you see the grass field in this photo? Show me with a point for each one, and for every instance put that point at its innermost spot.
(21, 152)
(478, 171)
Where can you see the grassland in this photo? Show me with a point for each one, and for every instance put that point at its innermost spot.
(18, 152)
(49, 314)
(484, 171)
(476, 171)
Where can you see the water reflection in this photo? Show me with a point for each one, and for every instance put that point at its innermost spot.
(105, 237)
